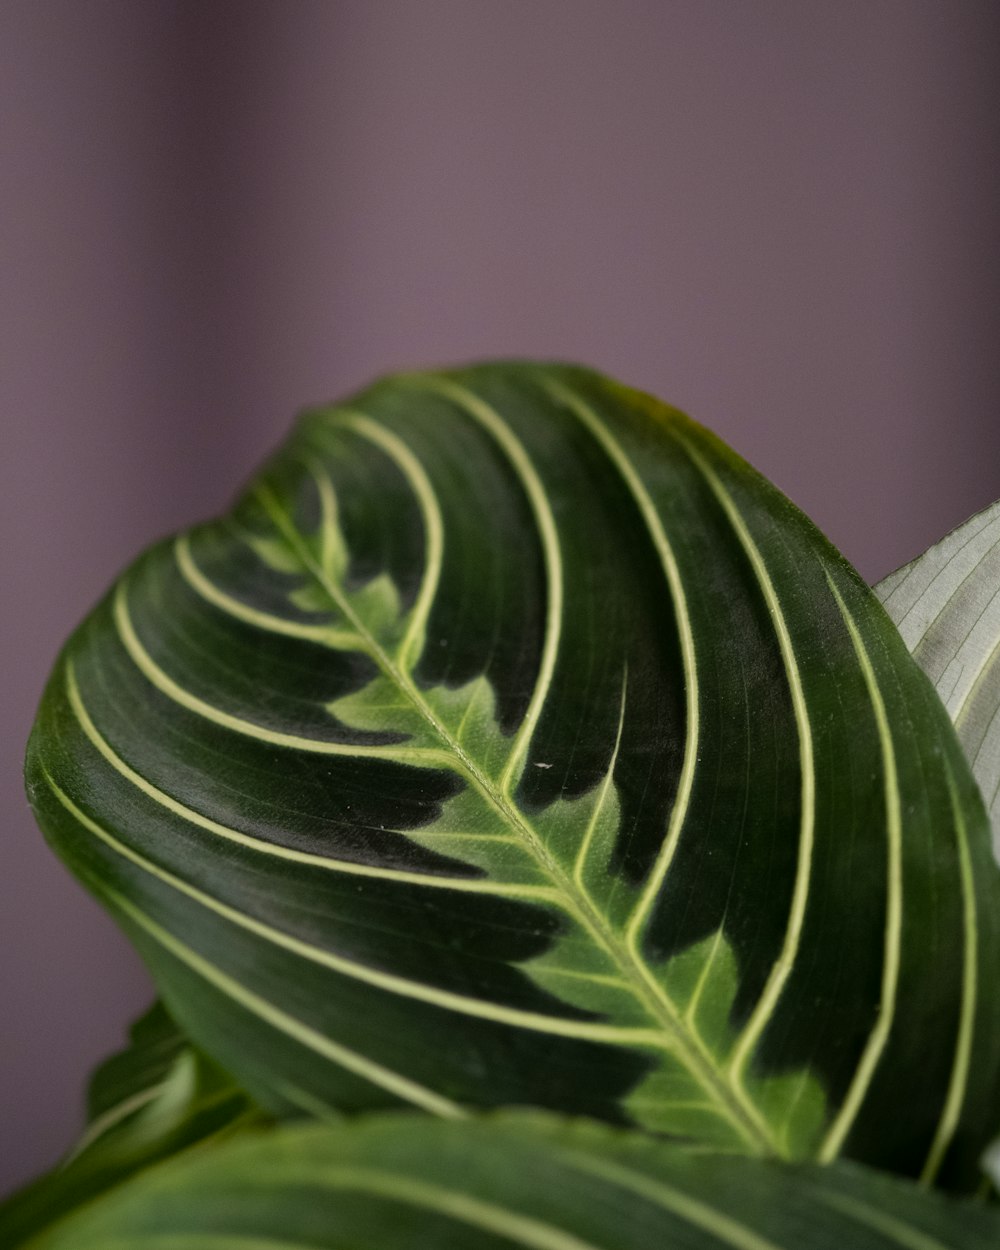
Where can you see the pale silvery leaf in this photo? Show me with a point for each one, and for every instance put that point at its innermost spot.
(946, 605)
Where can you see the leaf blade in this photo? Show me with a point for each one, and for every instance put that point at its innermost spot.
(533, 1182)
(592, 851)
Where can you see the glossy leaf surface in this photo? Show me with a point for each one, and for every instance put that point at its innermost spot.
(946, 604)
(153, 1100)
(513, 741)
(397, 1182)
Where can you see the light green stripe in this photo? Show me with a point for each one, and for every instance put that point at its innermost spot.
(332, 553)
(121, 1111)
(444, 999)
(461, 884)
(385, 1078)
(605, 789)
(703, 979)
(882, 1222)
(592, 978)
(524, 1230)
(316, 1107)
(838, 1131)
(681, 1104)
(782, 968)
(145, 1240)
(327, 635)
(970, 974)
(420, 484)
(729, 1231)
(668, 561)
(177, 694)
(504, 436)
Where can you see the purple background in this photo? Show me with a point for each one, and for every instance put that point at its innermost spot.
(780, 215)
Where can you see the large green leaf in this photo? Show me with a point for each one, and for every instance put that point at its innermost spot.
(513, 741)
(153, 1100)
(397, 1182)
(946, 604)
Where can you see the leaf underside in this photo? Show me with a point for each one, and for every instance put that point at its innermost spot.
(946, 605)
(514, 742)
(396, 1182)
(153, 1100)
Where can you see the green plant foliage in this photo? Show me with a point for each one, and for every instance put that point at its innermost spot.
(401, 1181)
(946, 604)
(513, 742)
(154, 1100)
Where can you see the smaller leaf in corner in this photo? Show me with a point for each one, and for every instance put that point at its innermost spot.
(991, 1166)
(155, 1099)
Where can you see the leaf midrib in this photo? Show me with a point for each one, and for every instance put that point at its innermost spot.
(744, 1117)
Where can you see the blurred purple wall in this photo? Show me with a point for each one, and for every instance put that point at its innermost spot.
(779, 215)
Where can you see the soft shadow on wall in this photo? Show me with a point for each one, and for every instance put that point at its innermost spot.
(780, 216)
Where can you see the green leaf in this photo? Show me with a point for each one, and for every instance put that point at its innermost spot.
(946, 604)
(153, 1100)
(513, 742)
(396, 1182)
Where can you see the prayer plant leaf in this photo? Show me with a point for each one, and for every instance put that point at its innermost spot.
(400, 1181)
(155, 1099)
(514, 742)
(946, 604)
